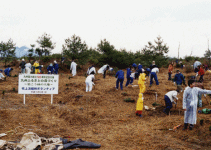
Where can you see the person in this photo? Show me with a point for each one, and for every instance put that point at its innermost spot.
(195, 65)
(36, 66)
(139, 71)
(103, 70)
(1, 75)
(179, 79)
(153, 74)
(181, 65)
(134, 66)
(148, 71)
(129, 78)
(89, 82)
(56, 67)
(28, 67)
(200, 85)
(73, 67)
(190, 101)
(206, 67)
(50, 69)
(153, 65)
(170, 70)
(200, 73)
(7, 71)
(22, 66)
(40, 69)
(139, 105)
(62, 60)
(91, 70)
(120, 79)
(169, 99)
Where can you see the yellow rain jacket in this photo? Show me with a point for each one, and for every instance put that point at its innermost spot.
(36, 70)
(141, 81)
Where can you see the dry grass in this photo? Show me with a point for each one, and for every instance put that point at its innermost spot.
(102, 116)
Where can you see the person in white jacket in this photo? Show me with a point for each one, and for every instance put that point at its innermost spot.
(91, 70)
(89, 82)
(28, 68)
(153, 74)
(103, 70)
(190, 100)
(73, 68)
(169, 99)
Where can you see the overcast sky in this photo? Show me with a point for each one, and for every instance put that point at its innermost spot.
(125, 24)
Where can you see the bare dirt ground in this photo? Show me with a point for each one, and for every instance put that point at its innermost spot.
(102, 116)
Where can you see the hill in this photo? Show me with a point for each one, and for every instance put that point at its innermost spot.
(102, 116)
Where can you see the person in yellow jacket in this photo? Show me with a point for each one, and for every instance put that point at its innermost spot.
(139, 105)
(36, 65)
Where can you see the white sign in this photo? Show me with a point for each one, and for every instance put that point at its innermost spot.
(38, 84)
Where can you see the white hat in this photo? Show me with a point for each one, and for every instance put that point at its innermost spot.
(55, 61)
(23, 60)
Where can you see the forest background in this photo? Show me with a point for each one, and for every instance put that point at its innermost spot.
(104, 53)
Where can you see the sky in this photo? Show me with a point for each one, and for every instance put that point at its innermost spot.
(130, 25)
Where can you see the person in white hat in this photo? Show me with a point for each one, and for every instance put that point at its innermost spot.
(22, 66)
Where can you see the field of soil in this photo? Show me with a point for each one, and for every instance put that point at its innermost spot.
(102, 116)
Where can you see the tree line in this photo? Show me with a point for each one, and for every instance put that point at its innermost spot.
(104, 53)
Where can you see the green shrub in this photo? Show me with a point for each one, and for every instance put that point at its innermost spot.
(56, 56)
(46, 59)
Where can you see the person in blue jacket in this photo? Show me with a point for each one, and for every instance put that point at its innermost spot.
(50, 69)
(134, 66)
(179, 79)
(120, 78)
(7, 71)
(138, 71)
(56, 67)
(129, 78)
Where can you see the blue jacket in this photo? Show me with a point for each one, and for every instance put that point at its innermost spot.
(50, 68)
(134, 65)
(7, 71)
(120, 74)
(128, 72)
(56, 66)
(179, 78)
(140, 66)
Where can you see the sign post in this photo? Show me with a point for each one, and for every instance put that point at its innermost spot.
(38, 84)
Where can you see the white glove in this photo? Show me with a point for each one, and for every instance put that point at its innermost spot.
(49, 71)
(205, 95)
(41, 65)
(174, 83)
(196, 74)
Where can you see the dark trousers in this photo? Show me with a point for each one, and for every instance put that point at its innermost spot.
(153, 75)
(168, 104)
(129, 81)
(119, 81)
(169, 76)
(104, 74)
(201, 78)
